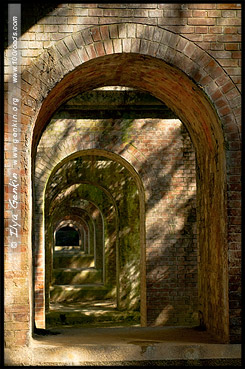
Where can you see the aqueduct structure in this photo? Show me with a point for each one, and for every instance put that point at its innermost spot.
(131, 135)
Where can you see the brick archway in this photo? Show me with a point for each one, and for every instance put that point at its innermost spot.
(105, 55)
(112, 210)
(78, 226)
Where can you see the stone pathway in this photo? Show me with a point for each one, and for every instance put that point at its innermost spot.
(98, 313)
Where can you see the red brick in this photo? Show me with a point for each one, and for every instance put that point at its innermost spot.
(62, 48)
(91, 51)
(87, 36)
(232, 46)
(74, 57)
(118, 13)
(235, 220)
(234, 103)
(201, 29)
(201, 6)
(183, 30)
(234, 71)
(221, 102)
(78, 39)
(104, 30)
(221, 54)
(216, 95)
(199, 13)
(235, 145)
(204, 60)
(228, 21)
(236, 55)
(229, 13)
(216, 46)
(193, 37)
(214, 13)
(234, 212)
(172, 21)
(122, 30)
(181, 44)
(229, 6)
(229, 38)
(209, 37)
(172, 13)
(169, 6)
(204, 45)
(113, 31)
(99, 48)
(127, 45)
(189, 49)
(223, 79)
(141, 13)
(117, 45)
(96, 34)
(108, 47)
(83, 54)
(95, 12)
(234, 179)
(131, 30)
(185, 13)
(153, 46)
(233, 30)
(21, 338)
(201, 21)
(215, 29)
(233, 93)
(28, 77)
(225, 110)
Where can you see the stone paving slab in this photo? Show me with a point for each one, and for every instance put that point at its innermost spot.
(145, 346)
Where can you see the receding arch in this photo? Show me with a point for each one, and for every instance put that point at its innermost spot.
(150, 73)
(94, 212)
(123, 163)
(67, 235)
(78, 225)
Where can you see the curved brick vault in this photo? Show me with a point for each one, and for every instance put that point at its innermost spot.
(68, 173)
(77, 222)
(55, 207)
(180, 74)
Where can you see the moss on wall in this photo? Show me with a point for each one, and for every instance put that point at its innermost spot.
(93, 174)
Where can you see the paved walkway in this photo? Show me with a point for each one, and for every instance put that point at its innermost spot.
(125, 335)
(121, 345)
(126, 346)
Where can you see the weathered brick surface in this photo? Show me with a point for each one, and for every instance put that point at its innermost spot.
(205, 24)
(169, 238)
(215, 31)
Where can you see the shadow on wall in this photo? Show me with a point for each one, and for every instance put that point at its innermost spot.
(170, 233)
(30, 15)
(172, 274)
(98, 171)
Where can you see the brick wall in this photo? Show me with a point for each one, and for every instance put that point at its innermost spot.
(204, 36)
(162, 153)
(216, 28)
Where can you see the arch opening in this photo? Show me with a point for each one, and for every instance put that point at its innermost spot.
(67, 236)
(195, 111)
(99, 279)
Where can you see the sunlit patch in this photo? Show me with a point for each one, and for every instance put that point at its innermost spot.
(163, 317)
